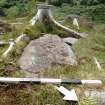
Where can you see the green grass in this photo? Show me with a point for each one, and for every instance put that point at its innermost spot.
(96, 13)
(45, 94)
(85, 49)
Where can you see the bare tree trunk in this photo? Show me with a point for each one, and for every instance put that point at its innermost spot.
(44, 14)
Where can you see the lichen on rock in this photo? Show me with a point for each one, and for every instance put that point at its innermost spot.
(46, 51)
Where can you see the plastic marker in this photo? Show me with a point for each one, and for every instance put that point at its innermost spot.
(68, 95)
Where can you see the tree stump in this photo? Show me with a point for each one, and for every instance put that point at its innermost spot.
(44, 14)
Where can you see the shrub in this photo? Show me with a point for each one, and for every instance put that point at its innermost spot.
(12, 12)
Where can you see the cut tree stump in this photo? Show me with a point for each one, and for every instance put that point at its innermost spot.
(44, 14)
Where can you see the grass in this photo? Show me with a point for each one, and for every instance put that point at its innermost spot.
(85, 49)
(96, 13)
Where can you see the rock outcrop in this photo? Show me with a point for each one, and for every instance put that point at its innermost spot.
(98, 96)
(46, 51)
(70, 40)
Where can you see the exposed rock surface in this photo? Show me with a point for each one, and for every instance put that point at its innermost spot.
(46, 51)
(70, 40)
(97, 95)
(71, 17)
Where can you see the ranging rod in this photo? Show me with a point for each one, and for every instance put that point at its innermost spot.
(48, 81)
